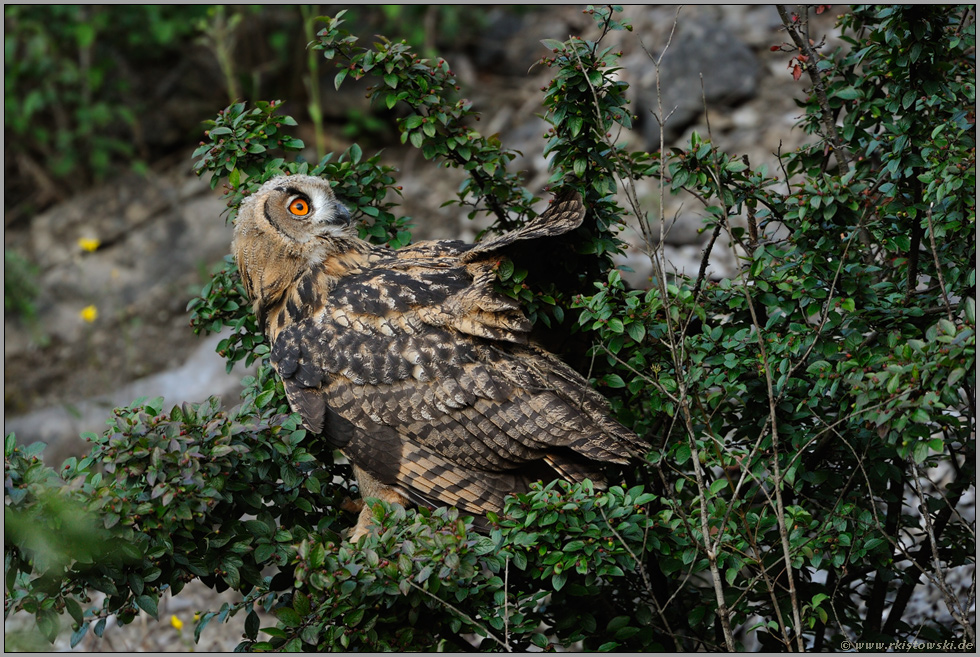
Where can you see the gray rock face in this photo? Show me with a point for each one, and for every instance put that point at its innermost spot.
(157, 237)
(706, 64)
(200, 376)
(150, 232)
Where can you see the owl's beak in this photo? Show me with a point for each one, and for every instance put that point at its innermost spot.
(341, 215)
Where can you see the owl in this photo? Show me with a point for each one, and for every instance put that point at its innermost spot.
(410, 363)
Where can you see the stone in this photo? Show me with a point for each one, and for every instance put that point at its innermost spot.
(705, 63)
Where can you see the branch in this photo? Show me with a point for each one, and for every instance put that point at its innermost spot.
(462, 614)
(952, 604)
(826, 115)
(646, 582)
(939, 269)
(777, 474)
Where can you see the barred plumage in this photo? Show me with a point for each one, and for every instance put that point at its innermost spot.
(410, 363)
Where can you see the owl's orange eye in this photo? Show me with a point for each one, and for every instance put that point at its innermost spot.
(299, 207)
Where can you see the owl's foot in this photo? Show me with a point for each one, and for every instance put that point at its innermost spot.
(354, 506)
(365, 522)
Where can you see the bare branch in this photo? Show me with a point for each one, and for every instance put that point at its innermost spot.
(826, 114)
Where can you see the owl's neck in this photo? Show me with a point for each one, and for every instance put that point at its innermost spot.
(304, 293)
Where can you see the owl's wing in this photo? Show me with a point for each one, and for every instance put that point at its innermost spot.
(442, 406)
(419, 371)
(565, 213)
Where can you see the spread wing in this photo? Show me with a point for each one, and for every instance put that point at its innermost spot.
(419, 372)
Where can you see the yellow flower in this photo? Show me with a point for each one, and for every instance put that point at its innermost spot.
(89, 313)
(89, 244)
(177, 623)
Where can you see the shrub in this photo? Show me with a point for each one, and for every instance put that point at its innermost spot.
(812, 418)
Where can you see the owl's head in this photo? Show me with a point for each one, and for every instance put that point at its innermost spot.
(298, 208)
(289, 222)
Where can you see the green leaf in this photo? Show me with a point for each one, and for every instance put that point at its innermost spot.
(74, 610)
(47, 624)
(301, 603)
(263, 552)
(79, 634)
(717, 485)
(848, 93)
(955, 376)
(147, 603)
(920, 451)
(614, 381)
(637, 331)
(818, 367)
(251, 625)
(288, 616)
(354, 152)
(553, 45)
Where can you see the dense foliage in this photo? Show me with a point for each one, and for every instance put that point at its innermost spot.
(812, 419)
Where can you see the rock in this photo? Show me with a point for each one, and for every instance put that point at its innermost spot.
(154, 240)
(511, 44)
(705, 63)
(202, 375)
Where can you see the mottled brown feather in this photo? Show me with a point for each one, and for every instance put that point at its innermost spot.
(411, 363)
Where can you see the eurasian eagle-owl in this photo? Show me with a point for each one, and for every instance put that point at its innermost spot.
(410, 363)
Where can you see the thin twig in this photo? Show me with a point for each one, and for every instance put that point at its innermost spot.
(777, 473)
(630, 189)
(724, 615)
(646, 581)
(826, 113)
(939, 269)
(918, 560)
(952, 604)
(507, 603)
(462, 614)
